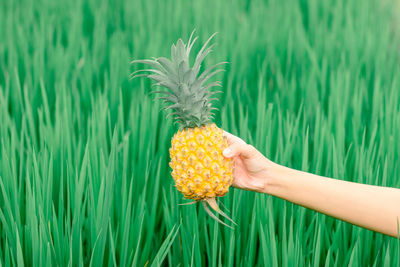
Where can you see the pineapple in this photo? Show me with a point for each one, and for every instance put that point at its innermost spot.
(200, 171)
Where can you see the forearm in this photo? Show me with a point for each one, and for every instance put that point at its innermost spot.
(372, 207)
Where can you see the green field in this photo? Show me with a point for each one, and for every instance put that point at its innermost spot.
(84, 175)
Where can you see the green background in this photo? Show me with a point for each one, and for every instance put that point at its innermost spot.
(84, 176)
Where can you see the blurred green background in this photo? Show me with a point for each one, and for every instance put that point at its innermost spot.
(84, 176)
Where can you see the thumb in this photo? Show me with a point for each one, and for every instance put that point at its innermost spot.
(239, 149)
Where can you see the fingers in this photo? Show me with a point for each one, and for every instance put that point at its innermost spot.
(239, 149)
(232, 138)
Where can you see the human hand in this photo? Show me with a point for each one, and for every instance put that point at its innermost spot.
(251, 167)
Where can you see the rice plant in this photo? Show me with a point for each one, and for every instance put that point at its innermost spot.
(84, 175)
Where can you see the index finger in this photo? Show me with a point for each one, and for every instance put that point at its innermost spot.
(232, 139)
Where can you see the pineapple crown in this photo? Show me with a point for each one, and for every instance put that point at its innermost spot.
(188, 93)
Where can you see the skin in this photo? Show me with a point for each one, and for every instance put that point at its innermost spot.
(373, 207)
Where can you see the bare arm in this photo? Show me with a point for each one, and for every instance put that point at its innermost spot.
(372, 207)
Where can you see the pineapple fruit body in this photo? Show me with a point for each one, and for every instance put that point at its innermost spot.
(198, 167)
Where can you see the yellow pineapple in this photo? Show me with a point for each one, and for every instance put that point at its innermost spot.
(200, 171)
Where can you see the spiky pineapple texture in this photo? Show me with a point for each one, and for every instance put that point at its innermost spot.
(198, 167)
(188, 94)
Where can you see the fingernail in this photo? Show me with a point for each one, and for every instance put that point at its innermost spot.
(228, 152)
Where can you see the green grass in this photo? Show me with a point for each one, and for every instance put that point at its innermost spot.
(84, 176)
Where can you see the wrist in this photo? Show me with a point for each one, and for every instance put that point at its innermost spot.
(276, 177)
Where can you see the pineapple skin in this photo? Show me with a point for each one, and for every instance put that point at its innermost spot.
(198, 167)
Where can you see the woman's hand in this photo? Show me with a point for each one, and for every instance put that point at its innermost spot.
(251, 167)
